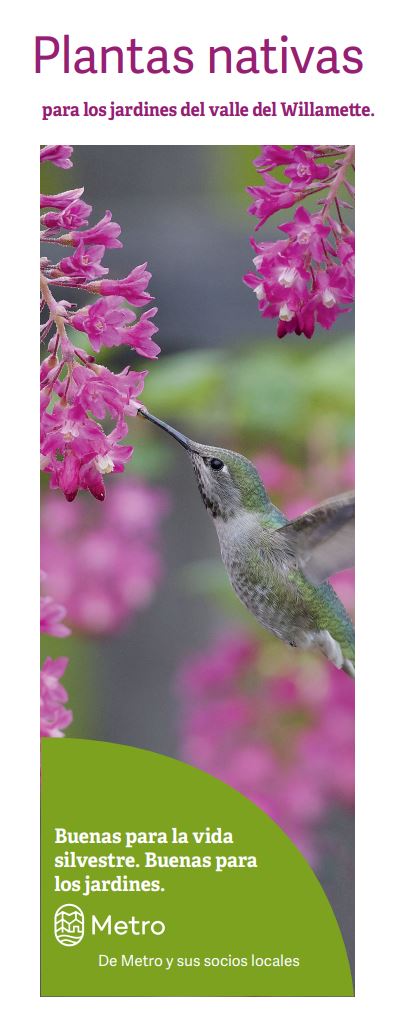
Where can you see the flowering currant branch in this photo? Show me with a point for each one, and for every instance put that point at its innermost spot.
(77, 394)
(103, 562)
(54, 717)
(307, 277)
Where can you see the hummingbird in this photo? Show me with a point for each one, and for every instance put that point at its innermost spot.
(277, 567)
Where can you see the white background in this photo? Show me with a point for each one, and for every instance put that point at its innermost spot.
(23, 93)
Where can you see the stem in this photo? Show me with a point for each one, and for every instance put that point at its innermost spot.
(54, 377)
(327, 255)
(350, 188)
(52, 306)
(56, 347)
(88, 361)
(58, 318)
(316, 189)
(45, 330)
(339, 180)
(64, 281)
(64, 398)
(331, 153)
(53, 239)
(339, 212)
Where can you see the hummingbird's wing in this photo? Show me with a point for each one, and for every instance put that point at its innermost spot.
(322, 540)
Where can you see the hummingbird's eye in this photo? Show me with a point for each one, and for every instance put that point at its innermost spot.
(216, 464)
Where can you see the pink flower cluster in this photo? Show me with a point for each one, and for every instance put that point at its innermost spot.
(54, 717)
(285, 743)
(103, 564)
(77, 393)
(307, 277)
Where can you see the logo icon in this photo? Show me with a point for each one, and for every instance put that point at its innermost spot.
(69, 925)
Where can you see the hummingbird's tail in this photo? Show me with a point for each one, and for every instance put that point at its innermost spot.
(348, 667)
(333, 652)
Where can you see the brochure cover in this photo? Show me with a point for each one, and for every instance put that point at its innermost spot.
(197, 686)
(197, 512)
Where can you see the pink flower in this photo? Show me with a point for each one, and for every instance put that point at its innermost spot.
(77, 393)
(54, 717)
(267, 251)
(132, 288)
(346, 253)
(272, 157)
(303, 170)
(301, 322)
(108, 325)
(282, 291)
(104, 392)
(66, 475)
(75, 214)
(67, 424)
(215, 670)
(84, 263)
(51, 618)
(60, 200)
(111, 457)
(309, 276)
(88, 453)
(307, 233)
(103, 563)
(135, 509)
(140, 335)
(74, 447)
(285, 280)
(332, 290)
(69, 433)
(104, 232)
(103, 322)
(59, 156)
(270, 199)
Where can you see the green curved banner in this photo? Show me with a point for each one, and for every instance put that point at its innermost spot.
(159, 880)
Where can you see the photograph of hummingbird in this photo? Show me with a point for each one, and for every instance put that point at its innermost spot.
(278, 568)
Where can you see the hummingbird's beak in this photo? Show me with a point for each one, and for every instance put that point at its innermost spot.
(186, 443)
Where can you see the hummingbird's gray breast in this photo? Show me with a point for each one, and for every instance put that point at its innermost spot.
(260, 572)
